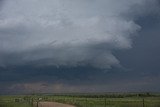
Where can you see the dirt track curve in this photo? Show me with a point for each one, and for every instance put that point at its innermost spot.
(53, 104)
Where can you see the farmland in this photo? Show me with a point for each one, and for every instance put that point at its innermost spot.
(84, 100)
(9, 101)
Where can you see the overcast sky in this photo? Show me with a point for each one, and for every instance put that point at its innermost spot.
(79, 46)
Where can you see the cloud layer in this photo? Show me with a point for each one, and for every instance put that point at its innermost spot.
(68, 32)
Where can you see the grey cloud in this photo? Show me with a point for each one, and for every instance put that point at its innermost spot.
(68, 33)
(144, 56)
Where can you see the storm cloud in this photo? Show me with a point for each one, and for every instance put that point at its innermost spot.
(68, 32)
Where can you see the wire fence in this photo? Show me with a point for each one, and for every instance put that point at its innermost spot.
(33, 101)
(103, 102)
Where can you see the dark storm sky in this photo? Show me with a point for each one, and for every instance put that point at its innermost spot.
(79, 46)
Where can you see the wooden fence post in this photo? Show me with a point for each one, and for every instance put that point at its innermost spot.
(32, 102)
(37, 103)
(73, 99)
(86, 102)
(105, 102)
(143, 103)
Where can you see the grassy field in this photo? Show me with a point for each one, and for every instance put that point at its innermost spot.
(9, 101)
(101, 101)
(85, 100)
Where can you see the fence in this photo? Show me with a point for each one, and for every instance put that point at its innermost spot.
(103, 102)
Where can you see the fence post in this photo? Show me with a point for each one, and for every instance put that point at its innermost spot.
(37, 104)
(143, 103)
(73, 99)
(53, 99)
(86, 102)
(105, 102)
(32, 102)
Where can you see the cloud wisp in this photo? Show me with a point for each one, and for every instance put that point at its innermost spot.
(68, 32)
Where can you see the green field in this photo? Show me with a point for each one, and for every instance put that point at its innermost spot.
(9, 101)
(85, 100)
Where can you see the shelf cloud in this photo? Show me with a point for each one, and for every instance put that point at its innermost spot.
(68, 32)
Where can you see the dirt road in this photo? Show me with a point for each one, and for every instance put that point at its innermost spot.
(53, 104)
